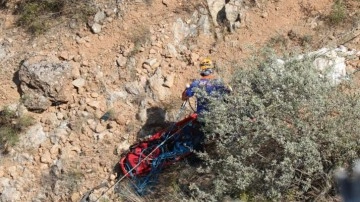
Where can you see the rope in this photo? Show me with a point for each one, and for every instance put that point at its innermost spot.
(146, 157)
(137, 165)
(156, 163)
(192, 107)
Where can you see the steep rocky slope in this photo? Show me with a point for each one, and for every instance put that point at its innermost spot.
(133, 59)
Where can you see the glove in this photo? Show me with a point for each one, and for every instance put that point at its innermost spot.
(187, 85)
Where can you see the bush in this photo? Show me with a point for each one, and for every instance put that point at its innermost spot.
(37, 16)
(338, 12)
(11, 125)
(281, 133)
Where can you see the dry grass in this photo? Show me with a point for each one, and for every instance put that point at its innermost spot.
(11, 125)
(338, 12)
(37, 16)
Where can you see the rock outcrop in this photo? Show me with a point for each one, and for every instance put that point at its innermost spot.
(44, 83)
(226, 13)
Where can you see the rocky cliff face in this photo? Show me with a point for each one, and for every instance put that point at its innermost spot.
(132, 59)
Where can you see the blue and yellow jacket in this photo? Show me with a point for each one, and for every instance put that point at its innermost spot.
(210, 86)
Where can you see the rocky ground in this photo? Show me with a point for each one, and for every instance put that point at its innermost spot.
(132, 59)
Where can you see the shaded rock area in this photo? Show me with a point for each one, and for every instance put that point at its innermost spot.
(228, 13)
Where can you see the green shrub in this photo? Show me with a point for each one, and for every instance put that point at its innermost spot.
(280, 134)
(37, 16)
(11, 125)
(8, 135)
(72, 180)
(139, 36)
(338, 12)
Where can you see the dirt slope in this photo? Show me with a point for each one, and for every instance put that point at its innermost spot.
(289, 25)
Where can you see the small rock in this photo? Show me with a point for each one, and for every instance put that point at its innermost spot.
(121, 61)
(152, 51)
(80, 82)
(264, 15)
(313, 24)
(96, 28)
(237, 24)
(119, 95)
(94, 95)
(121, 119)
(109, 12)
(99, 17)
(332, 37)
(124, 145)
(112, 177)
(75, 197)
(54, 151)
(133, 88)
(73, 24)
(101, 136)
(165, 2)
(64, 55)
(154, 66)
(151, 61)
(46, 157)
(98, 113)
(79, 40)
(153, 38)
(146, 66)
(92, 125)
(94, 104)
(75, 72)
(77, 58)
(59, 115)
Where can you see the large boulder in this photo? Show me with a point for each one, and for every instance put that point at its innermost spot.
(44, 82)
(156, 84)
(234, 13)
(203, 24)
(181, 30)
(217, 10)
(226, 13)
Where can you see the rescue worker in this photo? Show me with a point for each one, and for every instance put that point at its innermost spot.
(208, 83)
